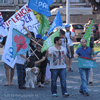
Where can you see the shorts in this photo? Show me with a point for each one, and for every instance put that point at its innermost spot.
(92, 42)
(6, 65)
(72, 52)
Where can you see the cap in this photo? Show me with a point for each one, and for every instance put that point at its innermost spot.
(67, 25)
(44, 38)
(38, 36)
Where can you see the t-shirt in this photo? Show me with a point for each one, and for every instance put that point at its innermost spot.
(40, 56)
(21, 60)
(84, 52)
(67, 35)
(57, 57)
(86, 27)
(64, 42)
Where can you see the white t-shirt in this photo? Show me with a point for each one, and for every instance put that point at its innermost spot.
(64, 42)
(67, 35)
(21, 60)
(57, 57)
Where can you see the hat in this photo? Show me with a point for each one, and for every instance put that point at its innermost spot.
(38, 36)
(67, 25)
(44, 38)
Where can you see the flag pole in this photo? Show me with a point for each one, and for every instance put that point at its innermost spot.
(34, 53)
(36, 43)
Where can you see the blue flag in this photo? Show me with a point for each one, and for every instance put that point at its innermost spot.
(41, 6)
(50, 2)
(57, 22)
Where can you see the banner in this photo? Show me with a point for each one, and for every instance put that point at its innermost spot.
(20, 43)
(3, 31)
(49, 41)
(22, 17)
(84, 63)
(44, 25)
(7, 56)
(87, 35)
(57, 22)
(40, 6)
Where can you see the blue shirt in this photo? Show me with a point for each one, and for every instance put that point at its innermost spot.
(84, 52)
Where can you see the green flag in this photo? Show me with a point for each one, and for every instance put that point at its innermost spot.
(44, 26)
(87, 35)
(49, 41)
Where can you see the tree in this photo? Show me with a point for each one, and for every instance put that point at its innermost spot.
(95, 5)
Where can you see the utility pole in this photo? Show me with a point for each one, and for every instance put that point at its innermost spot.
(68, 11)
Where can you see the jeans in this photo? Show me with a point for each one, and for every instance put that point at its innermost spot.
(21, 74)
(62, 74)
(84, 74)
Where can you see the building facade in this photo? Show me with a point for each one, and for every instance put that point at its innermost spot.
(9, 7)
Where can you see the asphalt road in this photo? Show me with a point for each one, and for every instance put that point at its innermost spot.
(73, 84)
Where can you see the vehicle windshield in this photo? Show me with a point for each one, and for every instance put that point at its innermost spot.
(77, 26)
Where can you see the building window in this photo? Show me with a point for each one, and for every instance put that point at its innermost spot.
(4, 1)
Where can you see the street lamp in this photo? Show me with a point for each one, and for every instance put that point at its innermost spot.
(67, 11)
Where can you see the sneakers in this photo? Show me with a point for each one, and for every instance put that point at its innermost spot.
(90, 83)
(81, 92)
(39, 84)
(70, 70)
(66, 94)
(54, 95)
(22, 87)
(87, 94)
(42, 85)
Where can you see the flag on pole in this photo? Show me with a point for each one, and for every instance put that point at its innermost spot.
(57, 22)
(7, 56)
(2, 21)
(3, 31)
(44, 25)
(20, 43)
(86, 63)
(49, 41)
(50, 2)
(41, 6)
(87, 35)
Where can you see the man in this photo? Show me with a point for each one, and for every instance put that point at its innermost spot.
(70, 37)
(65, 42)
(84, 51)
(58, 57)
(91, 45)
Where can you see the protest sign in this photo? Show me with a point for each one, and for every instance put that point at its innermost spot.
(24, 17)
(7, 56)
(84, 63)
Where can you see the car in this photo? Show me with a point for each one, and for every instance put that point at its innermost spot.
(78, 28)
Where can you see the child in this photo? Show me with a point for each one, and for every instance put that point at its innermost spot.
(21, 70)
